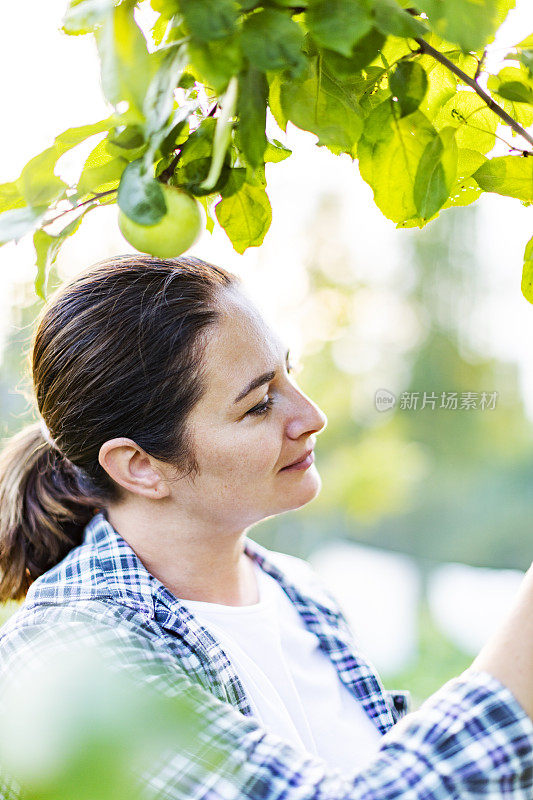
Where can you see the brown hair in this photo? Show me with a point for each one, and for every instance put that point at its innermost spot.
(117, 351)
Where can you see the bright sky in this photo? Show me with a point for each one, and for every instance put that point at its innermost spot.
(53, 84)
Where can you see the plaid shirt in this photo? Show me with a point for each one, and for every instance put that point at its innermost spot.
(471, 739)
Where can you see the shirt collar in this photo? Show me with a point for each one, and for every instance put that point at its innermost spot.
(126, 576)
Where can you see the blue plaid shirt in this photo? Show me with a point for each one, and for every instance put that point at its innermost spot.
(471, 739)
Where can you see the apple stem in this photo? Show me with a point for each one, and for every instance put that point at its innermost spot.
(167, 173)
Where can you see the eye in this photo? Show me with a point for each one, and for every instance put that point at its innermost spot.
(262, 408)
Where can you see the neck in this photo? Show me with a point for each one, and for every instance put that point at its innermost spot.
(195, 561)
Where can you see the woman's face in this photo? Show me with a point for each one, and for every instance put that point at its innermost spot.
(251, 423)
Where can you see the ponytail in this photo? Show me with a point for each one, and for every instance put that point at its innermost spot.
(45, 503)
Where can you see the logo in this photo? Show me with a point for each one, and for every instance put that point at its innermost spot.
(384, 400)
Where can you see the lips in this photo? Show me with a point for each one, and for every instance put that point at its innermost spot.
(299, 459)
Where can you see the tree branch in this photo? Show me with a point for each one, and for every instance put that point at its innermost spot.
(427, 48)
(80, 205)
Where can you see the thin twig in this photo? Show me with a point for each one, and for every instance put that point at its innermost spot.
(80, 205)
(427, 48)
(509, 145)
(480, 63)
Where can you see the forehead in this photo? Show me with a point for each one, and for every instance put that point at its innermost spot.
(239, 347)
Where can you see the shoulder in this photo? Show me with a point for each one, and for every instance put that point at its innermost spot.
(37, 635)
(77, 577)
(32, 624)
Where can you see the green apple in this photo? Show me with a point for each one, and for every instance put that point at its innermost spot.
(174, 233)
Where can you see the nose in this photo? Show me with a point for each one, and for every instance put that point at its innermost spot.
(306, 417)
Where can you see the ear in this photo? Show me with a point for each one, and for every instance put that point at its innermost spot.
(133, 469)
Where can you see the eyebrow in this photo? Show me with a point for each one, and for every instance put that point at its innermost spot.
(266, 377)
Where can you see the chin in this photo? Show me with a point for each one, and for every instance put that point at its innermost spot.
(301, 495)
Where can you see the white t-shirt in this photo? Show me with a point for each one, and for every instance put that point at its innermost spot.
(292, 686)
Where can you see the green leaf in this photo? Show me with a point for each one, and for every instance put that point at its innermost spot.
(271, 40)
(37, 182)
(159, 29)
(276, 152)
(251, 108)
(10, 196)
(209, 222)
(463, 192)
(216, 62)
(101, 171)
(18, 221)
(362, 54)
(442, 85)
(409, 84)
(126, 66)
(468, 161)
(322, 105)
(526, 42)
(526, 57)
(392, 19)
(178, 131)
(192, 175)
(527, 274)
(508, 175)
(159, 99)
(166, 7)
(520, 111)
(47, 249)
(199, 144)
(245, 216)
(128, 143)
(518, 92)
(389, 152)
(465, 189)
(222, 135)
(513, 83)
(86, 15)
(394, 48)
(435, 174)
(74, 136)
(139, 196)
(338, 24)
(369, 88)
(236, 180)
(209, 19)
(476, 124)
(469, 23)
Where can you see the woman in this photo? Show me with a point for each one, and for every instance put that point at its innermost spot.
(170, 425)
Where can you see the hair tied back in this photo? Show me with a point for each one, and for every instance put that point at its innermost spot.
(46, 433)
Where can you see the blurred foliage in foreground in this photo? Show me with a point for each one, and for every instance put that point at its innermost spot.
(92, 711)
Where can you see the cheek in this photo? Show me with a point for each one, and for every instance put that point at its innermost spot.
(241, 451)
